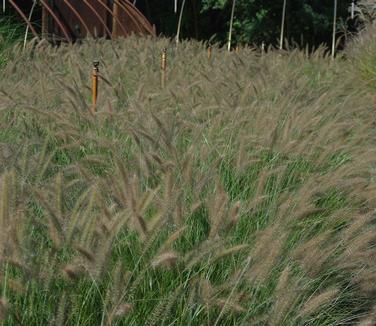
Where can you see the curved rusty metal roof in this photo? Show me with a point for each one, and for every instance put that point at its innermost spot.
(71, 19)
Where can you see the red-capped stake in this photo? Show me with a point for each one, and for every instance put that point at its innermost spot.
(164, 59)
(163, 67)
(95, 83)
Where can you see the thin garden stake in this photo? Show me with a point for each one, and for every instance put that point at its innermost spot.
(27, 27)
(283, 24)
(352, 10)
(334, 30)
(231, 23)
(179, 22)
(3, 5)
(95, 84)
(175, 6)
(209, 52)
(163, 67)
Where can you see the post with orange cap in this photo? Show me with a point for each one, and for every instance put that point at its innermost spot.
(95, 84)
(163, 67)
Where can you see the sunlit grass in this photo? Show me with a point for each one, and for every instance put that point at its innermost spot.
(240, 193)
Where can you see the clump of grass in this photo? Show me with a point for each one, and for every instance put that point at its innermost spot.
(10, 33)
(240, 193)
(366, 11)
(360, 50)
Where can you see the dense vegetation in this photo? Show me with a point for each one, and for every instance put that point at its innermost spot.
(256, 21)
(308, 22)
(242, 192)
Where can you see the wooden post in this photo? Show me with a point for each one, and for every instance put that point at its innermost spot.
(163, 67)
(95, 84)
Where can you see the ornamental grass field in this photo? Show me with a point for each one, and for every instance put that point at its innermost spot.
(243, 192)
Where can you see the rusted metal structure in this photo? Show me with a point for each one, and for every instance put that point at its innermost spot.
(70, 20)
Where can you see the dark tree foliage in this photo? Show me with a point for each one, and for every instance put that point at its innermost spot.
(256, 21)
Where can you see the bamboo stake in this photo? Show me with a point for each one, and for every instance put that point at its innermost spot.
(334, 30)
(283, 25)
(231, 23)
(95, 84)
(27, 27)
(179, 22)
(163, 67)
